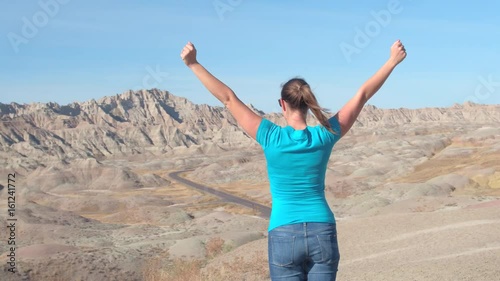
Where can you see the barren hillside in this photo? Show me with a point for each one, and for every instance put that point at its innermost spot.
(95, 201)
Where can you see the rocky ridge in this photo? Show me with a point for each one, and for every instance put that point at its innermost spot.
(156, 122)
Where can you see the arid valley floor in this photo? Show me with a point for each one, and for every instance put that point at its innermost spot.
(414, 200)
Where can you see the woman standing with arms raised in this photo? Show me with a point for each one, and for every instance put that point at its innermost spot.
(302, 240)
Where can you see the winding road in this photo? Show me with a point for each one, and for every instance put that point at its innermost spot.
(264, 211)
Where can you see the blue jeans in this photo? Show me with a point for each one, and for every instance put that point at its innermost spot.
(303, 251)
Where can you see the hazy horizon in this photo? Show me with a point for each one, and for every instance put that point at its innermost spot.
(216, 104)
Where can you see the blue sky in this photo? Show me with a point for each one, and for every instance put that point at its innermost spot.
(70, 50)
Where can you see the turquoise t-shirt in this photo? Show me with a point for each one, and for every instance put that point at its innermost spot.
(296, 166)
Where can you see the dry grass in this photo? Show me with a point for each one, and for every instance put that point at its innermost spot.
(240, 210)
(340, 190)
(251, 268)
(214, 246)
(441, 166)
(160, 268)
(228, 207)
(183, 270)
(179, 270)
(420, 209)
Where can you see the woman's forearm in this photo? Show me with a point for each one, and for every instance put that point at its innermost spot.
(372, 85)
(213, 85)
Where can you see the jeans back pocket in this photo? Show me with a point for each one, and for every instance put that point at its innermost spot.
(329, 248)
(281, 250)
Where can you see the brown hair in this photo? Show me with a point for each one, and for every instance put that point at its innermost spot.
(298, 94)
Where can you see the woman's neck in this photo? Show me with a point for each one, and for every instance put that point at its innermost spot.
(297, 122)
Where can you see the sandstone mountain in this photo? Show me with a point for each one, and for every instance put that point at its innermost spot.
(155, 122)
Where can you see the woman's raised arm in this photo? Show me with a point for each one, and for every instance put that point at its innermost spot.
(350, 112)
(245, 117)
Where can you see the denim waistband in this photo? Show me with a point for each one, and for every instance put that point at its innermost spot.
(309, 227)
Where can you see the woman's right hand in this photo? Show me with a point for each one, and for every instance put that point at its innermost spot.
(188, 54)
(398, 52)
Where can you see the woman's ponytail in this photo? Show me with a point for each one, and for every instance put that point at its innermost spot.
(300, 96)
(312, 103)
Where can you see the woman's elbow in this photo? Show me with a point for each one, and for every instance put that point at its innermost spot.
(227, 98)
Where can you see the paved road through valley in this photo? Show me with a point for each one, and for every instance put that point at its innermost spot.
(265, 211)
